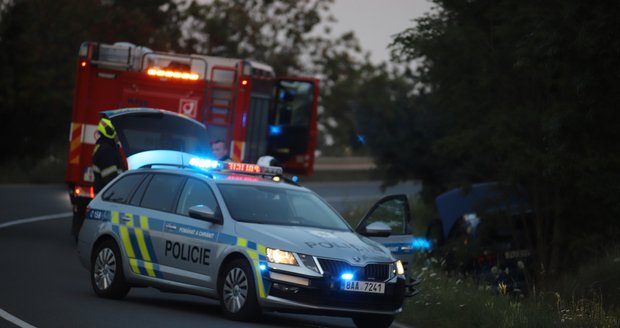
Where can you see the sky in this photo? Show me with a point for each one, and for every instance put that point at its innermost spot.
(376, 21)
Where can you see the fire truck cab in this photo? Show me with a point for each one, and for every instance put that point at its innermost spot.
(240, 102)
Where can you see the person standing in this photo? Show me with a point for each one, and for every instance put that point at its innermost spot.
(220, 151)
(107, 162)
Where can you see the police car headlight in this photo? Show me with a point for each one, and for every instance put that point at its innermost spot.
(280, 257)
(400, 270)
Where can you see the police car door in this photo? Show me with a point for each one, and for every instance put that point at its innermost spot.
(185, 246)
(394, 212)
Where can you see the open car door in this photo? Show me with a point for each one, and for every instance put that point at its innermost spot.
(292, 124)
(388, 223)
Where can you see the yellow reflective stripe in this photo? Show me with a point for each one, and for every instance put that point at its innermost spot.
(96, 169)
(126, 241)
(242, 242)
(142, 245)
(134, 265)
(149, 269)
(130, 217)
(262, 249)
(114, 217)
(109, 170)
(259, 280)
(144, 222)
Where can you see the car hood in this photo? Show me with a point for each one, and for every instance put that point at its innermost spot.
(342, 245)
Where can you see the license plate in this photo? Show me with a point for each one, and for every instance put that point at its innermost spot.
(364, 286)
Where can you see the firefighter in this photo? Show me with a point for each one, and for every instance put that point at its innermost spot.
(107, 162)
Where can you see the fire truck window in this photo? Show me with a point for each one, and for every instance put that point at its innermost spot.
(223, 76)
(294, 103)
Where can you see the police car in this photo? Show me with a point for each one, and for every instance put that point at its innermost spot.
(240, 233)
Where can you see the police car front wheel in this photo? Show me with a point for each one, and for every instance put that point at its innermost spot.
(107, 278)
(238, 291)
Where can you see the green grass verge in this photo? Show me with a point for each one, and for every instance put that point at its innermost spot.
(587, 297)
(456, 301)
(47, 170)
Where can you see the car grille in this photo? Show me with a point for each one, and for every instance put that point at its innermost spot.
(371, 272)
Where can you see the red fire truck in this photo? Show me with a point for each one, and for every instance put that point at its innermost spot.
(239, 101)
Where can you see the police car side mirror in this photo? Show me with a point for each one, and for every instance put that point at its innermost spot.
(203, 212)
(377, 229)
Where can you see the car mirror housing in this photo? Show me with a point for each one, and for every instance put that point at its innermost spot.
(377, 229)
(203, 212)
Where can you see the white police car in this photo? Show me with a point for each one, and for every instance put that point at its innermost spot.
(239, 233)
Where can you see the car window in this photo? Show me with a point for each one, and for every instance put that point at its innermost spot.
(391, 212)
(137, 196)
(280, 206)
(162, 191)
(196, 192)
(122, 188)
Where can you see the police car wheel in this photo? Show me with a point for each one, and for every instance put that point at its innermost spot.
(373, 321)
(107, 278)
(238, 292)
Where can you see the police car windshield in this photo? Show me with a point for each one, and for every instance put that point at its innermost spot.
(269, 205)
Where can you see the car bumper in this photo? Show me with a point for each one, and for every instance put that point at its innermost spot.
(324, 296)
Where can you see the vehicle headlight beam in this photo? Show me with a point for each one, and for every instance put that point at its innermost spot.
(280, 257)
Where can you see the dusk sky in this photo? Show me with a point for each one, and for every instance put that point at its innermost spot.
(376, 21)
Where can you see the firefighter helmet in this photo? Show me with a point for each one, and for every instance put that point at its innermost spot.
(106, 128)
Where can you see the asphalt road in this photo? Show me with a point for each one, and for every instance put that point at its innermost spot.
(42, 283)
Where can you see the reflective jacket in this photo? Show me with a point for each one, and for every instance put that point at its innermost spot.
(107, 162)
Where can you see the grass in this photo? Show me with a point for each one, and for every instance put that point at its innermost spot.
(589, 296)
(48, 170)
(456, 301)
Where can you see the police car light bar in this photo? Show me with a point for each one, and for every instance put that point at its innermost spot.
(205, 163)
(209, 164)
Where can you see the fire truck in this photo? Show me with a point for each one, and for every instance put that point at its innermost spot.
(239, 101)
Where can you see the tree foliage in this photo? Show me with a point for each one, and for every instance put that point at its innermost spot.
(275, 32)
(38, 46)
(518, 92)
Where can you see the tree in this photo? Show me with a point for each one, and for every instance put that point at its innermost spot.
(522, 93)
(38, 47)
(275, 32)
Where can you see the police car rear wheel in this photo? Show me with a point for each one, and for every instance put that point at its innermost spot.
(107, 278)
(238, 292)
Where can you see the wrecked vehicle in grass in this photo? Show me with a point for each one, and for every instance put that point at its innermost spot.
(486, 231)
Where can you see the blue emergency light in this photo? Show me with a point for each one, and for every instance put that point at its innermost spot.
(275, 130)
(346, 276)
(204, 163)
(420, 243)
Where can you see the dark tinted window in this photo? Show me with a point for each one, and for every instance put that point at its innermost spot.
(123, 188)
(196, 192)
(162, 192)
(137, 196)
(294, 103)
